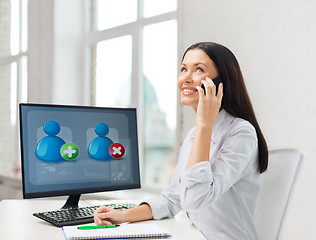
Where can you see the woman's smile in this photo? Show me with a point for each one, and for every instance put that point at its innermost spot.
(186, 91)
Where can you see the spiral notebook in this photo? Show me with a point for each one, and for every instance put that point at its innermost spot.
(125, 231)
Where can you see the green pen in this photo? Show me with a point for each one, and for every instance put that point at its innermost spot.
(97, 227)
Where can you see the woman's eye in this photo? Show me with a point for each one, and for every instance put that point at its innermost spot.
(183, 70)
(199, 70)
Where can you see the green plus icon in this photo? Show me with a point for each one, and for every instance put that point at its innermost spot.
(69, 151)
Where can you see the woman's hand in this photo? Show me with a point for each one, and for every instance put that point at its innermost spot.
(209, 103)
(206, 113)
(107, 216)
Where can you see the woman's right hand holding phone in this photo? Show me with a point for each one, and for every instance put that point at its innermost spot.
(207, 111)
(209, 103)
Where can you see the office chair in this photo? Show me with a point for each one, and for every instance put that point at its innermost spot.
(277, 185)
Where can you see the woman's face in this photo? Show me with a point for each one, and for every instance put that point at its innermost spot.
(196, 66)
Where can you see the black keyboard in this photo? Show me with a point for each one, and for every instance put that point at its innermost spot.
(75, 216)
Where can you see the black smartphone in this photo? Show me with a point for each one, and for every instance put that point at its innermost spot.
(216, 81)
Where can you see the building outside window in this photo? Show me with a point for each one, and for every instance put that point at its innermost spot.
(134, 64)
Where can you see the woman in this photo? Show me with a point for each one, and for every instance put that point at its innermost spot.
(216, 180)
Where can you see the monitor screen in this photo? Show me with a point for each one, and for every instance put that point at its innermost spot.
(71, 150)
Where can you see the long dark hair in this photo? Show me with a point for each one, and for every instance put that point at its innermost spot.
(235, 100)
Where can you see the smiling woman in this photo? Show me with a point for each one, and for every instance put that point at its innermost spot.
(216, 180)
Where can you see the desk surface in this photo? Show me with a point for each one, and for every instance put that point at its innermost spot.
(17, 221)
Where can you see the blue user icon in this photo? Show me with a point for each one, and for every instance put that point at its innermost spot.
(48, 148)
(99, 146)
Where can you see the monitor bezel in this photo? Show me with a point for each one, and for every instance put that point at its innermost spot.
(70, 192)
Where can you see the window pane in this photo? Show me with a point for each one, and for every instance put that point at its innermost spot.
(154, 7)
(109, 13)
(5, 28)
(24, 79)
(15, 27)
(7, 135)
(113, 72)
(13, 93)
(24, 27)
(160, 97)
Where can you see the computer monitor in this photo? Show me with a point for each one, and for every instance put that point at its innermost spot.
(72, 150)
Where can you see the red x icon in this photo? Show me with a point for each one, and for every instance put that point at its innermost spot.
(117, 150)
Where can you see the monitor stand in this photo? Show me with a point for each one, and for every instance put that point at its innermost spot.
(72, 201)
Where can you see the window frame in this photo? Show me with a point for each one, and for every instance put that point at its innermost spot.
(135, 29)
(20, 93)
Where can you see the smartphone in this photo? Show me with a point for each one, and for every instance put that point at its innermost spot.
(216, 81)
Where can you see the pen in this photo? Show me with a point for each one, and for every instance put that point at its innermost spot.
(97, 227)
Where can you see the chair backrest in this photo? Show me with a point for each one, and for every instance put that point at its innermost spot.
(277, 184)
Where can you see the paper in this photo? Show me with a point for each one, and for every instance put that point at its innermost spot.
(125, 231)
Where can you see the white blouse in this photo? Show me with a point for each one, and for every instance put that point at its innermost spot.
(219, 196)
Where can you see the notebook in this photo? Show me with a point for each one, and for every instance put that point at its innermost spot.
(125, 231)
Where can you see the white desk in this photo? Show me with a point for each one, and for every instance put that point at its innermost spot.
(17, 221)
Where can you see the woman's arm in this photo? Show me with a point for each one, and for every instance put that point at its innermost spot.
(167, 204)
(206, 113)
(204, 183)
(105, 215)
(200, 146)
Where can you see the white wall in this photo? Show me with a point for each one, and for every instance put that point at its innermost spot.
(40, 51)
(274, 41)
(69, 86)
(57, 52)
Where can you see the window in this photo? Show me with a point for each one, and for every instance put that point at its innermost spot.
(13, 76)
(134, 64)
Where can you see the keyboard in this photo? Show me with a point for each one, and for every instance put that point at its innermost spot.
(75, 216)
